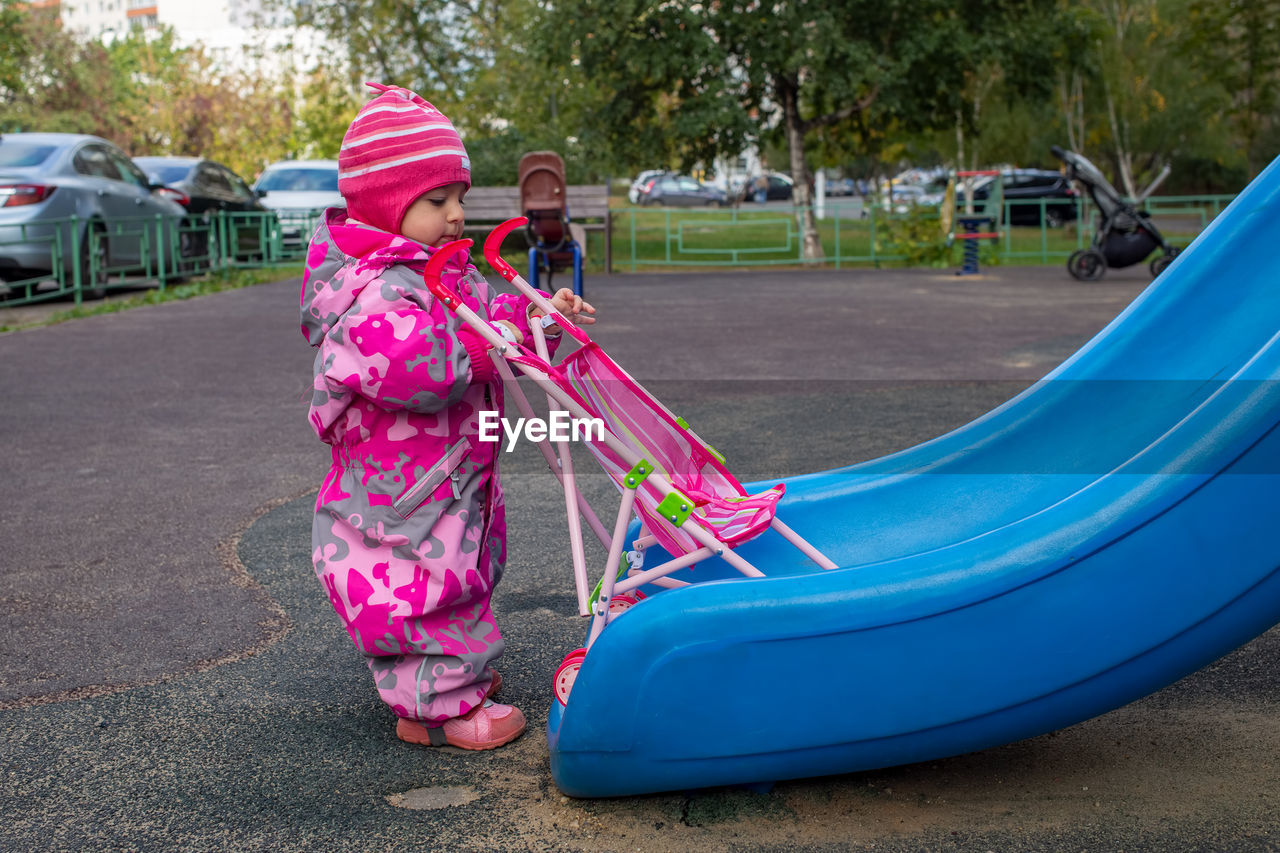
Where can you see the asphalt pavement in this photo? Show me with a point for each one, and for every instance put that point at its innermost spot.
(172, 675)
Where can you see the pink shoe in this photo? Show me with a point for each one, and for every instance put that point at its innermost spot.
(487, 726)
(494, 685)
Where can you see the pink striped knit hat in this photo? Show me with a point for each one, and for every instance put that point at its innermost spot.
(397, 148)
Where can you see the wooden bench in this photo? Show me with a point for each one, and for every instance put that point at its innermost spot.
(588, 211)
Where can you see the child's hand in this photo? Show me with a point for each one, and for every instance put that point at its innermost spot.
(515, 332)
(571, 306)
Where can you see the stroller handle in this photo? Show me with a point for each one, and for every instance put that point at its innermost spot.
(435, 266)
(493, 245)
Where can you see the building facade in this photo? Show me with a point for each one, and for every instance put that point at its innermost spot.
(226, 28)
(218, 24)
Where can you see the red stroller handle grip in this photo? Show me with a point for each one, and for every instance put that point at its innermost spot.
(435, 266)
(493, 243)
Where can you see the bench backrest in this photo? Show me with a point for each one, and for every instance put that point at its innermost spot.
(498, 204)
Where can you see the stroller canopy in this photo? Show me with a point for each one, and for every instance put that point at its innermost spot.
(542, 184)
(1080, 168)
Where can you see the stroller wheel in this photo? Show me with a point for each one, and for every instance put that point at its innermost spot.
(1087, 265)
(619, 603)
(1159, 264)
(567, 674)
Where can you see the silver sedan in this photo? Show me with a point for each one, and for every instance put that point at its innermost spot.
(46, 179)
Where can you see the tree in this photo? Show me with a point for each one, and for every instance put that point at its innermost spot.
(1131, 91)
(1236, 45)
(1126, 51)
(434, 47)
(144, 92)
(324, 109)
(474, 60)
(176, 99)
(49, 80)
(13, 49)
(695, 79)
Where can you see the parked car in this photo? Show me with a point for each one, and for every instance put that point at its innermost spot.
(902, 197)
(841, 187)
(681, 191)
(46, 178)
(203, 187)
(299, 185)
(935, 190)
(642, 180)
(1021, 190)
(780, 188)
(297, 190)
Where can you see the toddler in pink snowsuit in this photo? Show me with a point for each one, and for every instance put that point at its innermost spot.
(409, 536)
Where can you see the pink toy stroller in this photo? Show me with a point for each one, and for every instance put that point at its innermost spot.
(674, 483)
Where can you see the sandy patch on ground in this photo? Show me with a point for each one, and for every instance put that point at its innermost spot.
(1130, 772)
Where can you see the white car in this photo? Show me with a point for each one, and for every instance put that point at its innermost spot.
(300, 185)
(298, 191)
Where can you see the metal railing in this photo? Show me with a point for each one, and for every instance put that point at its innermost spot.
(874, 234)
(87, 258)
(83, 259)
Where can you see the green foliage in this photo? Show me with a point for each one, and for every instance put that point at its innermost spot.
(1233, 47)
(686, 82)
(146, 93)
(652, 81)
(326, 108)
(13, 49)
(915, 235)
(478, 62)
(50, 80)
(682, 82)
(865, 85)
(433, 47)
(175, 99)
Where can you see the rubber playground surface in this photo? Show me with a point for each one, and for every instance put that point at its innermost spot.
(173, 676)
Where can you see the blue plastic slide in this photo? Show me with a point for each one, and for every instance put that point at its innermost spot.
(1105, 533)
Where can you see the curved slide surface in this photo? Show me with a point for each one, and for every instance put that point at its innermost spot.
(1096, 538)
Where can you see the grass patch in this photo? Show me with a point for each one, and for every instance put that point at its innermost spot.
(672, 239)
(202, 286)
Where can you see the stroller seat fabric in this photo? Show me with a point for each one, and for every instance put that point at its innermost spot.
(716, 500)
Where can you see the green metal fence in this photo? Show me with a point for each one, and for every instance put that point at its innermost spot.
(85, 259)
(857, 234)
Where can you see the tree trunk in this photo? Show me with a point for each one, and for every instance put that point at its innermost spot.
(1071, 98)
(1123, 157)
(802, 197)
(963, 186)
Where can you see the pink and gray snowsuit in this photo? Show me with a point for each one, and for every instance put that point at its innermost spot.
(409, 535)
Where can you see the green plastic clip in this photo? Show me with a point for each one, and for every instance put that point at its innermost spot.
(638, 473)
(624, 566)
(675, 508)
(682, 422)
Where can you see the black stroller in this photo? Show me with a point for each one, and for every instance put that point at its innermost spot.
(1126, 236)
